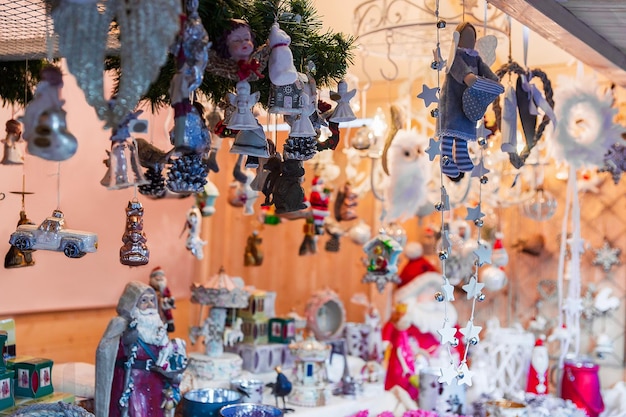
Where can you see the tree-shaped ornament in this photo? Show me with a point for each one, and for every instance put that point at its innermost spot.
(134, 252)
(382, 260)
(13, 154)
(16, 258)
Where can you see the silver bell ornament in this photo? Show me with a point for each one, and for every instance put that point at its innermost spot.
(45, 128)
(251, 142)
(52, 141)
(123, 167)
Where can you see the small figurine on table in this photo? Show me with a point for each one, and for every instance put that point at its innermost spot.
(281, 388)
(158, 281)
(319, 199)
(128, 380)
(401, 366)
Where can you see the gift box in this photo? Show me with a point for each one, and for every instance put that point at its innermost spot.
(282, 330)
(6, 389)
(33, 378)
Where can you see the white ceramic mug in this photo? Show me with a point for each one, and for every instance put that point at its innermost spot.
(252, 388)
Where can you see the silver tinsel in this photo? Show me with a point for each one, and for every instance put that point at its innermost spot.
(147, 29)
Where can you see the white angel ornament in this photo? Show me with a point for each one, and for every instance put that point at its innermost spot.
(194, 226)
(301, 125)
(242, 118)
(343, 112)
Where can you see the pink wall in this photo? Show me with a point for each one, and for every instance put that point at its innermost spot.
(97, 279)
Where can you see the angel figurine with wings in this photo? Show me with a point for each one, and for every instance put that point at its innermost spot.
(243, 118)
(469, 88)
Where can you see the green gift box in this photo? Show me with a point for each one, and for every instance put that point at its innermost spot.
(33, 377)
(6, 389)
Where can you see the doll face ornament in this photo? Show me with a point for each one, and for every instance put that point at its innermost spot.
(239, 42)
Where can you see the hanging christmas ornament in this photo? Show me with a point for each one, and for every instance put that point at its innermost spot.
(615, 161)
(191, 50)
(382, 258)
(242, 117)
(233, 54)
(309, 242)
(360, 233)
(282, 187)
(494, 278)
(280, 67)
(499, 255)
(252, 143)
(409, 172)
(345, 203)
(319, 200)
(334, 230)
(253, 255)
(53, 235)
(15, 258)
(206, 199)
(45, 129)
(343, 112)
(13, 154)
(123, 165)
(134, 252)
(607, 257)
(187, 174)
(526, 100)
(193, 226)
(469, 88)
(146, 31)
(300, 148)
(586, 130)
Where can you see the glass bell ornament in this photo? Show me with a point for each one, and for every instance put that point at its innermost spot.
(123, 166)
(52, 141)
(542, 205)
(397, 232)
(363, 138)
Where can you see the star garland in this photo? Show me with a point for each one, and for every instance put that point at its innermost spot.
(456, 373)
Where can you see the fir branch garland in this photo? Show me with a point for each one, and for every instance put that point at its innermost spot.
(19, 79)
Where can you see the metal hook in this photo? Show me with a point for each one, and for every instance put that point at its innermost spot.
(389, 39)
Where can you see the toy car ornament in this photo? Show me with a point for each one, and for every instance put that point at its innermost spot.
(52, 235)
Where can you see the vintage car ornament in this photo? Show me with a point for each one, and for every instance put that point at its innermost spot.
(52, 235)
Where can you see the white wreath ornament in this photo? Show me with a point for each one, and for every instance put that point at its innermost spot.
(585, 129)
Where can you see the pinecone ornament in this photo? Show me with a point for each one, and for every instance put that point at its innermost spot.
(187, 174)
(156, 187)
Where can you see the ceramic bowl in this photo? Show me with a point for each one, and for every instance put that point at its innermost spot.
(207, 402)
(250, 410)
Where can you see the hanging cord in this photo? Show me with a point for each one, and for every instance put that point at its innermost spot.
(59, 186)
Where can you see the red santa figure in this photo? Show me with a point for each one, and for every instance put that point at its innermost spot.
(319, 200)
(538, 371)
(401, 365)
(166, 302)
(417, 264)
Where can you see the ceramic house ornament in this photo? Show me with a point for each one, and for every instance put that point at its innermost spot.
(343, 112)
(242, 118)
(13, 154)
(382, 258)
(45, 129)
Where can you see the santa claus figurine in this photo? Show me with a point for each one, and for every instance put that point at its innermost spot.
(537, 381)
(417, 265)
(319, 200)
(158, 281)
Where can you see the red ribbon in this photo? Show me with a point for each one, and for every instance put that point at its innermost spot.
(248, 67)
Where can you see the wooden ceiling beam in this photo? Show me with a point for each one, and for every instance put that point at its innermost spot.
(555, 23)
